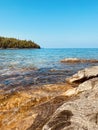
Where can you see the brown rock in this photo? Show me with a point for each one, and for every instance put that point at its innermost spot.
(76, 60)
(29, 107)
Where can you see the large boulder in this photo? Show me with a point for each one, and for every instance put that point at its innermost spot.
(80, 113)
(83, 75)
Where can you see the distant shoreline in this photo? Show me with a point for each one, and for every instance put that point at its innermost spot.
(18, 48)
(13, 43)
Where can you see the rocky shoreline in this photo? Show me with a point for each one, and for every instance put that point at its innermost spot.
(81, 113)
(69, 105)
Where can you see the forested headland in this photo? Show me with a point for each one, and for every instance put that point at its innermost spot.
(16, 43)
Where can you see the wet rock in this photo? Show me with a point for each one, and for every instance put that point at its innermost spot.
(76, 60)
(29, 107)
(83, 75)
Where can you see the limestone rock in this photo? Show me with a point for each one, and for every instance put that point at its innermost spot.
(70, 92)
(78, 114)
(76, 60)
(53, 106)
(87, 85)
(84, 74)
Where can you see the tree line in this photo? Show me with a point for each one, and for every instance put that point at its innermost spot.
(16, 43)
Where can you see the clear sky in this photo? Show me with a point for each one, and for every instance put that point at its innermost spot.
(51, 23)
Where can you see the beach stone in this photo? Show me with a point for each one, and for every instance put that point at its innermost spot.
(77, 60)
(84, 74)
(78, 114)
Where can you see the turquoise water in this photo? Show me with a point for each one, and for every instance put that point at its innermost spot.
(26, 67)
(41, 58)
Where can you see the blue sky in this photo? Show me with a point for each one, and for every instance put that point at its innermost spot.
(51, 23)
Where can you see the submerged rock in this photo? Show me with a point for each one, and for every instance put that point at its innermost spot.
(76, 60)
(29, 107)
(83, 75)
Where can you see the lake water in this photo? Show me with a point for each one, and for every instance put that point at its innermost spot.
(41, 58)
(45, 61)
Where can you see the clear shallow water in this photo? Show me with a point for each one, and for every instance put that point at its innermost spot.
(17, 65)
(41, 58)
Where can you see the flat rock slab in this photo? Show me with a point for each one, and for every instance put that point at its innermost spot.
(76, 60)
